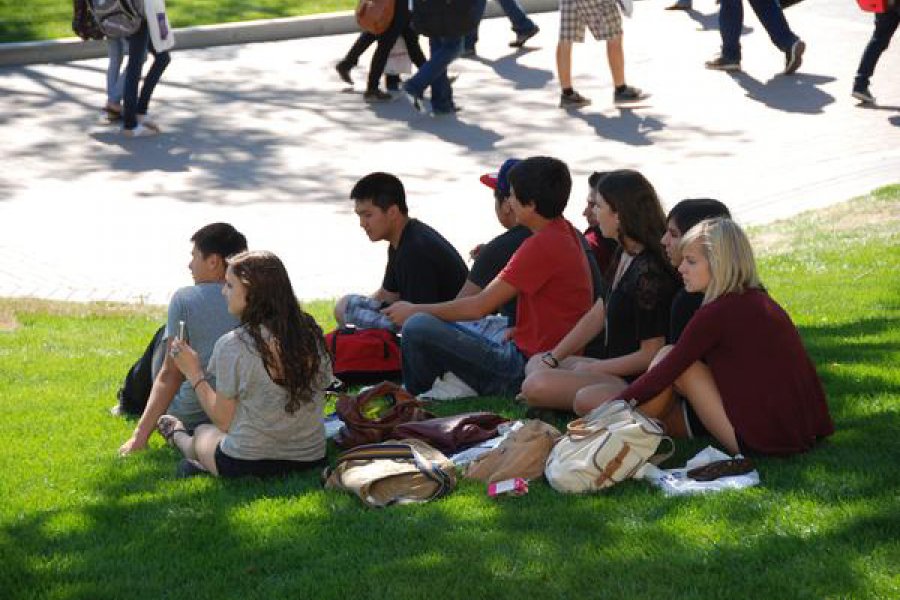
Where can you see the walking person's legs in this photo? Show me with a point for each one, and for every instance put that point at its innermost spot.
(771, 16)
(885, 26)
(362, 43)
(115, 82)
(160, 62)
(137, 44)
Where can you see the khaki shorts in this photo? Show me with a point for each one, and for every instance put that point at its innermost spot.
(602, 17)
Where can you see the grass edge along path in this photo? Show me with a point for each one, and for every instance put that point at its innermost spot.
(78, 522)
(38, 20)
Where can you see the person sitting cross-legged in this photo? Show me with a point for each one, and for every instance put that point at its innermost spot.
(265, 388)
(740, 362)
(548, 275)
(422, 266)
(205, 315)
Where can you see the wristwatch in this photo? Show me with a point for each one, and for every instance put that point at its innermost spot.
(548, 359)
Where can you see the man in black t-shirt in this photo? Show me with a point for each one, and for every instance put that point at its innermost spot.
(422, 266)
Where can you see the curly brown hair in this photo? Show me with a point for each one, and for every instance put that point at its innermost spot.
(293, 355)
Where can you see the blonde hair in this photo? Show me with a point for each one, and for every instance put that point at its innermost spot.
(724, 244)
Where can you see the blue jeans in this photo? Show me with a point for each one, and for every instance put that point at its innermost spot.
(885, 25)
(520, 21)
(444, 51)
(115, 77)
(431, 347)
(138, 44)
(731, 21)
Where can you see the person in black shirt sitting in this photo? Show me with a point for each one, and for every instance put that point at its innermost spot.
(422, 266)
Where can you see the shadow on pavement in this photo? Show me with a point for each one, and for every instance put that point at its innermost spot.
(795, 93)
(710, 22)
(522, 77)
(452, 129)
(629, 127)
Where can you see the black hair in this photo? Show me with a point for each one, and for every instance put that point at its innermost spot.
(219, 238)
(688, 213)
(596, 176)
(543, 181)
(381, 189)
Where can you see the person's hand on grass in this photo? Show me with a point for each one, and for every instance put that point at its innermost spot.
(133, 444)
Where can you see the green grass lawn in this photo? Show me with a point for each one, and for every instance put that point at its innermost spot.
(78, 522)
(32, 20)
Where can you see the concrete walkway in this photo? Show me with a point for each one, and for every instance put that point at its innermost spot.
(266, 137)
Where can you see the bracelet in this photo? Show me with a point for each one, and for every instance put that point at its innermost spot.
(199, 381)
(548, 359)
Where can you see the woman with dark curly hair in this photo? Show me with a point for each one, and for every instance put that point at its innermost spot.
(633, 317)
(265, 390)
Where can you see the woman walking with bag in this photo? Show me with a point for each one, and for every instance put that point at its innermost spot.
(740, 362)
(265, 390)
(156, 36)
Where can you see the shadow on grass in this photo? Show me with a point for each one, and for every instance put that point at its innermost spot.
(204, 538)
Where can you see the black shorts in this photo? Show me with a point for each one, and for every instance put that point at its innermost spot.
(238, 467)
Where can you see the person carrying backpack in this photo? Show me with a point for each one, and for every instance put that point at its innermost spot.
(136, 121)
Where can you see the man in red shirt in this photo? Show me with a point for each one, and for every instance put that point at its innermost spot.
(548, 274)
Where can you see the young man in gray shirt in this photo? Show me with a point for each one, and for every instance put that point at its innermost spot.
(204, 312)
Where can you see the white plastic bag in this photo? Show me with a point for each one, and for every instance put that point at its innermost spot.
(161, 35)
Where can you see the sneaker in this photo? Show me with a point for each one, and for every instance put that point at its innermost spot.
(720, 63)
(629, 94)
(453, 110)
(373, 96)
(139, 131)
(574, 100)
(448, 387)
(793, 58)
(864, 95)
(343, 72)
(148, 122)
(521, 38)
(189, 468)
(415, 101)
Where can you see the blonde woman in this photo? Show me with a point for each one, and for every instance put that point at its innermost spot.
(740, 362)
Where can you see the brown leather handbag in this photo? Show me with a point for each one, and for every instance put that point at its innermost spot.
(371, 416)
(375, 16)
(522, 454)
(452, 434)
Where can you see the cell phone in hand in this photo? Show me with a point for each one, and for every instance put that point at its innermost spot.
(181, 331)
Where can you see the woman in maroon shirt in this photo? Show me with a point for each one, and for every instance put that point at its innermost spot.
(740, 361)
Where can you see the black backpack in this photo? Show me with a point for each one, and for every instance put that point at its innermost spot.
(445, 18)
(83, 23)
(135, 391)
(118, 18)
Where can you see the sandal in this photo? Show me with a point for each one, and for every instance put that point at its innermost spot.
(722, 468)
(168, 426)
